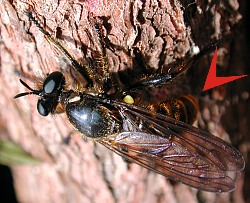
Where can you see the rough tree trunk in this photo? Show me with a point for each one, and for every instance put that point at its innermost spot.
(163, 32)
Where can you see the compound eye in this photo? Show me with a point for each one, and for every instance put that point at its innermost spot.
(54, 82)
(45, 107)
(41, 108)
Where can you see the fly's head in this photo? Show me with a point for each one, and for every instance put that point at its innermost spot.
(49, 94)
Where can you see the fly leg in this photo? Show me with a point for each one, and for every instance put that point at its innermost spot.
(85, 71)
(179, 68)
(100, 58)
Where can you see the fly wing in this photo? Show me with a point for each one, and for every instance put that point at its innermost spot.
(176, 150)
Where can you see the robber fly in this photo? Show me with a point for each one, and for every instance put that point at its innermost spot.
(159, 136)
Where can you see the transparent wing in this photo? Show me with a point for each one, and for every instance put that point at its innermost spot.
(176, 150)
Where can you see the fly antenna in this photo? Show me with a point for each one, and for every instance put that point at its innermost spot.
(25, 85)
(32, 91)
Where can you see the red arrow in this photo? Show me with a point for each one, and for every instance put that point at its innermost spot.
(214, 81)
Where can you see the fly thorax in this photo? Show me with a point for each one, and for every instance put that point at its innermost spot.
(91, 118)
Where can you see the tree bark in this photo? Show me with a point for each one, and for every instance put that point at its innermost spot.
(152, 34)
